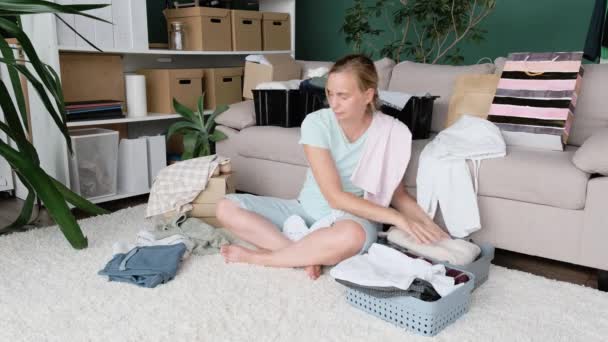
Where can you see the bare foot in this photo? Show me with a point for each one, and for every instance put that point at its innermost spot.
(239, 254)
(313, 271)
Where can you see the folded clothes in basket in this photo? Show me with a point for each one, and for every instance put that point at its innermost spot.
(383, 266)
(420, 289)
(454, 251)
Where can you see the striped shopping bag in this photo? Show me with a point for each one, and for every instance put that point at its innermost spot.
(536, 97)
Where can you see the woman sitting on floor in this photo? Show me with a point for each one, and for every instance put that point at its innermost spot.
(334, 140)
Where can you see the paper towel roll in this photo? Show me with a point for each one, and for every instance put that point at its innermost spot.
(136, 95)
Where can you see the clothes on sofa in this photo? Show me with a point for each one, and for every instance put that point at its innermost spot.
(146, 266)
(279, 210)
(177, 185)
(383, 266)
(444, 179)
(454, 251)
(384, 159)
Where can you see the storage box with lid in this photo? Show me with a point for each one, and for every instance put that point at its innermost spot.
(246, 30)
(162, 85)
(222, 86)
(279, 67)
(276, 31)
(94, 163)
(206, 28)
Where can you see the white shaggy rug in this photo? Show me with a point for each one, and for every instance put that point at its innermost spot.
(49, 291)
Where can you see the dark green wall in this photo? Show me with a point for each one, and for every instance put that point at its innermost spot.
(514, 26)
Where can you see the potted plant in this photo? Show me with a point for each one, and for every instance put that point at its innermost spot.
(429, 31)
(198, 129)
(22, 156)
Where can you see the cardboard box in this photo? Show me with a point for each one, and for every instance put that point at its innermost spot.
(206, 28)
(212, 221)
(217, 188)
(203, 210)
(276, 31)
(91, 77)
(162, 85)
(282, 68)
(246, 30)
(223, 86)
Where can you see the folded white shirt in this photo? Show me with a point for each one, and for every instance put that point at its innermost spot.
(453, 251)
(295, 228)
(383, 266)
(146, 238)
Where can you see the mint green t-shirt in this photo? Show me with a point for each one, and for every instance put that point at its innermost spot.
(321, 129)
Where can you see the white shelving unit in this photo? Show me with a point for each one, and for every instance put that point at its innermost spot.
(168, 52)
(50, 144)
(149, 117)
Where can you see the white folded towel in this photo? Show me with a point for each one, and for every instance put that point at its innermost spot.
(383, 266)
(295, 228)
(279, 85)
(395, 98)
(454, 251)
(316, 72)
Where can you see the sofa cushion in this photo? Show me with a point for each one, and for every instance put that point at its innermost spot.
(419, 79)
(534, 176)
(271, 143)
(592, 157)
(238, 116)
(384, 68)
(591, 113)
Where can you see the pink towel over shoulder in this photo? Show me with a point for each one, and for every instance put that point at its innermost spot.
(384, 159)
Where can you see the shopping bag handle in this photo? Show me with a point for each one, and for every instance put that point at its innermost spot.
(530, 73)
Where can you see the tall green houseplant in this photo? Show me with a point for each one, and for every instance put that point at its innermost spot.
(427, 31)
(23, 158)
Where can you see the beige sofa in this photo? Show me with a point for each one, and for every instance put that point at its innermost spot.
(532, 201)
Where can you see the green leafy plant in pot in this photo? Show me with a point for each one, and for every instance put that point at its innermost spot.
(22, 155)
(198, 129)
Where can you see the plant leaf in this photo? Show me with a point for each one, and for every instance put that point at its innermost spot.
(217, 136)
(47, 192)
(181, 126)
(21, 7)
(211, 119)
(9, 55)
(184, 111)
(189, 145)
(77, 200)
(26, 212)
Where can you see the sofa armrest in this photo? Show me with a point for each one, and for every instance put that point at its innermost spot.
(239, 115)
(591, 157)
(594, 232)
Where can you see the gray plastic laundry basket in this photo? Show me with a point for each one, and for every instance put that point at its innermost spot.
(480, 267)
(413, 314)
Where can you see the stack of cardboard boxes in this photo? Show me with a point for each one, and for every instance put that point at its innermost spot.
(204, 205)
(218, 29)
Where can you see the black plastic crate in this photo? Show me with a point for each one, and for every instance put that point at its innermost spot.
(416, 115)
(285, 108)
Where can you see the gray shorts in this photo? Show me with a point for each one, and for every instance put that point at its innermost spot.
(277, 210)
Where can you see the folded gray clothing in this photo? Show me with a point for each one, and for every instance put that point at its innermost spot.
(206, 238)
(145, 266)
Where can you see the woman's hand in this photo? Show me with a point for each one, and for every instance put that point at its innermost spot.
(426, 231)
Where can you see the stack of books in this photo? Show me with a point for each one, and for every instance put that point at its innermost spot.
(93, 110)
